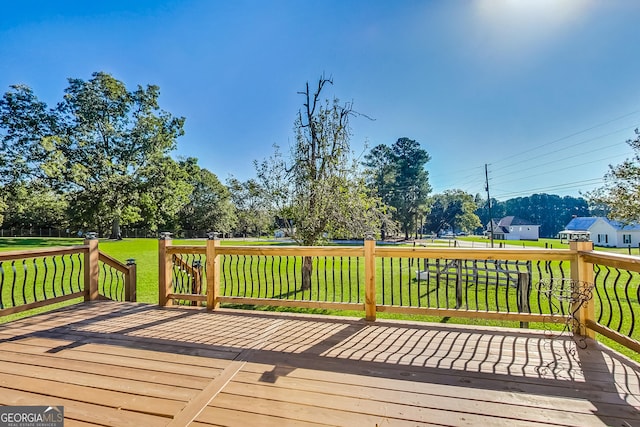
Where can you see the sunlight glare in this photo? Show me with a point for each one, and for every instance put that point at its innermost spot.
(510, 26)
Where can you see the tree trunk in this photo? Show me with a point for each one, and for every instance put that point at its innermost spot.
(115, 229)
(307, 271)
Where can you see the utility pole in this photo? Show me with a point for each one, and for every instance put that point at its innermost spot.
(486, 176)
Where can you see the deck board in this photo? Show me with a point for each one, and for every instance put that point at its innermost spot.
(133, 364)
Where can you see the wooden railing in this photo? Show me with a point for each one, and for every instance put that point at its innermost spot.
(545, 286)
(32, 279)
(614, 310)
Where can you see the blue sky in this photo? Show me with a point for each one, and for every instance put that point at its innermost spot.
(544, 91)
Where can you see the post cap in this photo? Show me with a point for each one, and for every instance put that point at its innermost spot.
(369, 235)
(213, 235)
(165, 235)
(91, 235)
(131, 261)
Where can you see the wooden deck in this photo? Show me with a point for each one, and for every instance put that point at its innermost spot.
(123, 364)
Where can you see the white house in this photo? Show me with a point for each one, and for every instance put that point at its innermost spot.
(514, 228)
(602, 231)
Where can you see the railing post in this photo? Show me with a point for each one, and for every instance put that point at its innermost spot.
(523, 297)
(165, 266)
(130, 281)
(91, 269)
(370, 277)
(213, 272)
(458, 283)
(582, 274)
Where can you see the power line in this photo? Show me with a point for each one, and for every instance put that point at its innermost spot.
(472, 182)
(569, 136)
(566, 186)
(570, 165)
(564, 168)
(570, 146)
(575, 157)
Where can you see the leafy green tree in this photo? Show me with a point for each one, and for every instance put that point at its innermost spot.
(550, 211)
(621, 190)
(453, 209)
(412, 183)
(3, 207)
(24, 122)
(94, 145)
(497, 209)
(210, 207)
(399, 177)
(34, 205)
(380, 176)
(252, 212)
(381, 171)
(166, 186)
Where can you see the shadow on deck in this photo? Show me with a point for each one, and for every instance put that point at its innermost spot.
(131, 364)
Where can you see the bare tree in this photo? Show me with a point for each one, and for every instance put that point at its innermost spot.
(320, 193)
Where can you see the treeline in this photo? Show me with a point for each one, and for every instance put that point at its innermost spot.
(100, 160)
(550, 211)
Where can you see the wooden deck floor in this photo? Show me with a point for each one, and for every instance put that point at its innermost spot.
(122, 364)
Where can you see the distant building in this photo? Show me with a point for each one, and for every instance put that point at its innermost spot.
(514, 228)
(602, 231)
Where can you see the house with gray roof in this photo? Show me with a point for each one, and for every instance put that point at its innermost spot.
(515, 228)
(602, 231)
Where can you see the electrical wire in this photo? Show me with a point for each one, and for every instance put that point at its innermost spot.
(475, 183)
(570, 135)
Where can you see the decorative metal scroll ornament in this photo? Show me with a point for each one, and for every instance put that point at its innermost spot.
(566, 297)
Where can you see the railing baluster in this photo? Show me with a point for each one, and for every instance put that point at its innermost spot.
(244, 274)
(326, 285)
(2, 305)
(280, 276)
(223, 270)
(273, 279)
(251, 280)
(360, 299)
(63, 273)
(13, 283)
(287, 276)
(79, 273)
(409, 293)
(628, 300)
(608, 298)
(111, 285)
(615, 293)
(633, 311)
(333, 276)
(295, 276)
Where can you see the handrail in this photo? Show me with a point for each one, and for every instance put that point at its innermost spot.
(113, 263)
(522, 285)
(478, 254)
(36, 253)
(40, 277)
(625, 262)
(271, 250)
